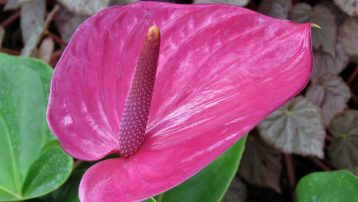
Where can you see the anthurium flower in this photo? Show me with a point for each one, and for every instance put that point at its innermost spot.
(169, 88)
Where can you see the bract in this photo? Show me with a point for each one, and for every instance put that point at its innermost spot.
(221, 70)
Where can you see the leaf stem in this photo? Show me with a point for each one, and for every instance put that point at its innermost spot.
(76, 164)
(10, 51)
(320, 164)
(290, 173)
(56, 38)
(353, 76)
(290, 169)
(10, 19)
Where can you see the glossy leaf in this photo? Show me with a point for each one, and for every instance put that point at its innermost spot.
(344, 148)
(261, 164)
(330, 93)
(28, 169)
(69, 191)
(195, 96)
(295, 128)
(211, 183)
(49, 171)
(348, 6)
(326, 63)
(336, 186)
(275, 8)
(322, 39)
(348, 37)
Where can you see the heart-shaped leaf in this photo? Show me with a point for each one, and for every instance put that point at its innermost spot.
(344, 148)
(69, 191)
(337, 186)
(348, 6)
(275, 8)
(330, 93)
(326, 63)
(295, 128)
(348, 37)
(324, 38)
(211, 183)
(30, 165)
(261, 164)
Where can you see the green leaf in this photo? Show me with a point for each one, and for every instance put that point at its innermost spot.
(296, 128)
(343, 149)
(150, 200)
(69, 191)
(211, 183)
(27, 169)
(337, 186)
(42, 176)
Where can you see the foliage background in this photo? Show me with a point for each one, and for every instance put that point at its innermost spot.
(317, 131)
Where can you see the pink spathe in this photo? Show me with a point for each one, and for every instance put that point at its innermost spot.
(221, 70)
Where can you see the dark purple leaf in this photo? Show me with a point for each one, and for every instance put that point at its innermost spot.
(348, 36)
(322, 39)
(343, 149)
(295, 128)
(275, 8)
(261, 164)
(326, 63)
(330, 93)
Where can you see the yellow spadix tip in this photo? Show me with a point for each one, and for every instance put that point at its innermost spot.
(153, 33)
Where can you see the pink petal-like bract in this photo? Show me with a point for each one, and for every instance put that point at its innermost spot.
(221, 70)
